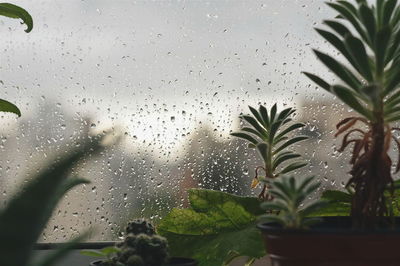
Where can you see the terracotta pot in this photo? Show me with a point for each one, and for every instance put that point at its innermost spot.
(332, 243)
(174, 261)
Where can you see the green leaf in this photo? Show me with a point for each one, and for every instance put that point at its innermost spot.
(347, 14)
(336, 196)
(13, 11)
(263, 150)
(253, 131)
(110, 250)
(255, 124)
(340, 70)
(339, 45)
(273, 113)
(337, 27)
(320, 82)
(292, 167)
(368, 19)
(388, 9)
(289, 143)
(23, 219)
(245, 136)
(381, 45)
(339, 203)
(348, 98)
(285, 113)
(61, 251)
(393, 81)
(216, 225)
(379, 11)
(357, 51)
(93, 253)
(6, 106)
(270, 218)
(288, 130)
(275, 206)
(256, 115)
(393, 50)
(281, 159)
(264, 115)
(314, 207)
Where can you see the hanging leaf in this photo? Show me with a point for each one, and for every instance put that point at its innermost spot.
(8, 107)
(13, 11)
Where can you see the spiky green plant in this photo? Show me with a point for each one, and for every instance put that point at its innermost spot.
(269, 134)
(27, 213)
(289, 194)
(368, 38)
(141, 247)
(13, 11)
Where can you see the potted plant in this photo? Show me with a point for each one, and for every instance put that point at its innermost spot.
(140, 247)
(219, 227)
(368, 37)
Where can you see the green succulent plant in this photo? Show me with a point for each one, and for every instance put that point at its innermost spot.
(141, 247)
(268, 132)
(13, 11)
(289, 194)
(368, 38)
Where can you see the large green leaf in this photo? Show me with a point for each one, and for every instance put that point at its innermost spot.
(8, 107)
(216, 225)
(339, 204)
(13, 11)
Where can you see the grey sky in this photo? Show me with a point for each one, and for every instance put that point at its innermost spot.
(109, 59)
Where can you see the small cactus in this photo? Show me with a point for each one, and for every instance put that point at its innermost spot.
(140, 226)
(141, 247)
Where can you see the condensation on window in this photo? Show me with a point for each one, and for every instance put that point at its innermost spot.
(172, 77)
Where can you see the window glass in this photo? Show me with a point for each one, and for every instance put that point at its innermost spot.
(173, 77)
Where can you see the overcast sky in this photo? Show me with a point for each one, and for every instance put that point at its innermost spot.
(139, 63)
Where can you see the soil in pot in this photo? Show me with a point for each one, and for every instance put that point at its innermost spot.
(332, 243)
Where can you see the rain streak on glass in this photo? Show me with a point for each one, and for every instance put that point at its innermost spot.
(172, 77)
